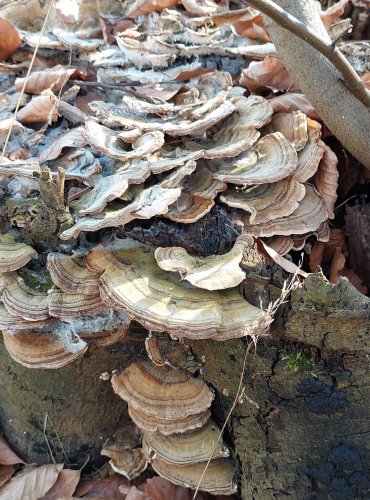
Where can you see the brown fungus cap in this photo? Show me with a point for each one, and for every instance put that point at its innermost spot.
(14, 255)
(69, 274)
(267, 201)
(293, 126)
(67, 305)
(166, 426)
(162, 392)
(218, 478)
(311, 212)
(309, 157)
(43, 349)
(187, 448)
(272, 158)
(13, 323)
(132, 282)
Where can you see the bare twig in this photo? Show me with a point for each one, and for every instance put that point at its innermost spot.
(25, 81)
(329, 50)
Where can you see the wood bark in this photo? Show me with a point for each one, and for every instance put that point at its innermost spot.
(341, 111)
(300, 429)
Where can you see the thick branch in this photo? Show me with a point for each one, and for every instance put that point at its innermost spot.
(342, 112)
(329, 50)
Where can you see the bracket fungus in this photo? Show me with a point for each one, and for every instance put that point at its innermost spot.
(132, 282)
(216, 272)
(14, 255)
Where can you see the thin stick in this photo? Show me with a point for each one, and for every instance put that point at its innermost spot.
(25, 82)
(328, 50)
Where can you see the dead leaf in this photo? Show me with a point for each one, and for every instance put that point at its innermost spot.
(42, 108)
(331, 14)
(366, 79)
(286, 264)
(293, 102)
(7, 456)
(354, 279)
(136, 494)
(188, 75)
(53, 78)
(247, 22)
(326, 178)
(9, 40)
(141, 7)
(82, 101)
(31, 482)
(64, 486)
(112, 24)
(322, 253)
(6, 472)
(67, 11)
(337, 265)
(158, 91)
(160, 489)
(108, 488)
(270, 73)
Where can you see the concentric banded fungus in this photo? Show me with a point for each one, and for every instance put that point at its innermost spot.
(310, 156)
(293, 126)
(168, 426)
(189, 208)
(189, 448)
(43, 349)
(215, 272)
(13, 323)
(105, 190)
(68, 273)
(66, 305)
(271, 159)
(133, 282)
(22, 300)
(202, 184)
(13, 255)
(218, 478)
(161, 391)
(267, 201)
(306, 218)
(107, 141)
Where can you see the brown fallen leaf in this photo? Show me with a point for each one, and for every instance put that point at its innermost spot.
(64, 486)
(326, 178)
(322, 253)
(51, 78)
(354, 279)
(31, 482)
(247, 22)
(337, 265)
(136, 494)
(286, 264)
(111, 24)
(82, 101)
(9, 39)
(141, 7)
(6, 472)
(270, 73)
(158, 91)
(108, 488)
(293, 102)
(42, 108)
(7, 456)
(67, 11)
(159, 488)
(366, 79)
(331, 14)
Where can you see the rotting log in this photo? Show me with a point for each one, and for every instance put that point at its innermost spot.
(300, 429)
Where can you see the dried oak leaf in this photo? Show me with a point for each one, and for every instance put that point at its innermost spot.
(293, 102)
(42, 108)
(112, 488)
(337, 265)
(141, 7)
(82, 101)
(366, 79)
(49, 78)
(31, 482)
(9, 39)
(327, 177)
(270, 73)
(7, 456)
(64, 486)
(6, 472)
(331, 14)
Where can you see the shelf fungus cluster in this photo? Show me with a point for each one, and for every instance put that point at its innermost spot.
(172, 410)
